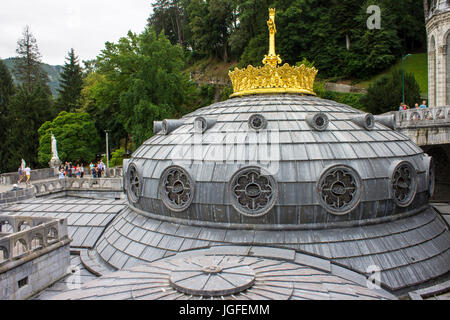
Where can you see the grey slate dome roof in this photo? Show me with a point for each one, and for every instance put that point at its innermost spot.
(285, 171)
(231, 273)
(315, 162)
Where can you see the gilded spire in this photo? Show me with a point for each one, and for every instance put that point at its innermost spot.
(270, 78)
(272, 58)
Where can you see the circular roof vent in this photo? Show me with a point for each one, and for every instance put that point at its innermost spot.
(157, 126)
(201, 124)
(169, 125)
(318, 121)
(366, 121)
(386, 120)
(257, 122)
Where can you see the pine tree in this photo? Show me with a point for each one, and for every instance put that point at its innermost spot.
(6, 92)
(71, 84)
(30, 107)
(28, 111)
(27, 68)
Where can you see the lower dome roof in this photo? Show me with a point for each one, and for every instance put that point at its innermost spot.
(231, 273)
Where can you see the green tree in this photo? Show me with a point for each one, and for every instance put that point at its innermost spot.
(170, 17)
(211, 24)
(117, 158)
(6, 92)
(28, 111)
(332, 33)
(386, 94)
(27, 67)
(138, 80)
(30, 107)
(76, 136)
(374, 50)
(71, 84)
(250, 18)
(158, 89)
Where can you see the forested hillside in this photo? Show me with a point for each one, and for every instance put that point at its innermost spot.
(331, 33)
(53, 72)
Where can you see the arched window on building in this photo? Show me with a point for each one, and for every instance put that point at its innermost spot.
(432, 85)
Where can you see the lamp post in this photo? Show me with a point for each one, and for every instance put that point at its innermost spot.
(403, 76)
(107, 149)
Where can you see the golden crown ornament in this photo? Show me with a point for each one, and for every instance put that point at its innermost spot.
(271, 78)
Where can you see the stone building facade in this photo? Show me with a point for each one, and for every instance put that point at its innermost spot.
(437, 16)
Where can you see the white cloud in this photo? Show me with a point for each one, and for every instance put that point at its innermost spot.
(59, 25)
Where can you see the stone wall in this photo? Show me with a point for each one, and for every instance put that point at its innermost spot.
(34, 253)
(26, 280)
(429, 126)
(18, 195)
(39, 174)
(344, 88)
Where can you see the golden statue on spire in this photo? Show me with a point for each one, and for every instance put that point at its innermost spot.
(272, 58)
(270, 78)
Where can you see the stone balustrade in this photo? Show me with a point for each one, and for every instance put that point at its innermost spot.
(77, 184)
(426, 127)
(115, 172)
(47, 187)
(49, 173)
(423, 117)
(21, 236)
(34, 254)
(38, 174)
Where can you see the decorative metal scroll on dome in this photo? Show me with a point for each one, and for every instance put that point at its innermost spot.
(271, 78)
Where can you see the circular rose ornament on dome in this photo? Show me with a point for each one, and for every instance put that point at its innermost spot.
(134, 183)
(253, 192)
(404, 184)
(211, 276)
(339, 189)
(176, 188)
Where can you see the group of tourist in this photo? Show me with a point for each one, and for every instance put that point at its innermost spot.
(24, 172)
(71, 171)
(97, 169)
(77, 171)
(403, 106)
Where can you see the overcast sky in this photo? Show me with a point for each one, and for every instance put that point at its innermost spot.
(59, 25)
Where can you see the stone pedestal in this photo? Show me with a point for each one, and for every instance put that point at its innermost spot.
(54, 163)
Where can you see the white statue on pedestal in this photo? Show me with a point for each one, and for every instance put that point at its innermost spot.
(54, 148)
(54, 162)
